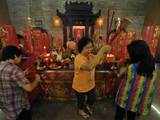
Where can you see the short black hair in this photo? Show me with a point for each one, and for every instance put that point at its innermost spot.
(139, 52)
(83, 42)
(9, 52)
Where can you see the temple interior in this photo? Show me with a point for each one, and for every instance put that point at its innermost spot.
(48, 33)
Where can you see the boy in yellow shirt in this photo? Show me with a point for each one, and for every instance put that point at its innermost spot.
(84, 75)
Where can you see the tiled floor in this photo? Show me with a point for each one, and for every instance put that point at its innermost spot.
(67, 111)
(104, 110)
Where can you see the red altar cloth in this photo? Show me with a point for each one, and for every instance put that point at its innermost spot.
(58, 84)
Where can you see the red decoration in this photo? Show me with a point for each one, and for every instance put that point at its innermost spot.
(150, 37)
(37, 41)
(27, 43)
(10, 35)
(119, 45)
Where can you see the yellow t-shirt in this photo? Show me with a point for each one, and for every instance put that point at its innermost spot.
(83, 80)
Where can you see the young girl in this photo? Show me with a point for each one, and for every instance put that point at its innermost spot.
(84, 75)
(136, 90)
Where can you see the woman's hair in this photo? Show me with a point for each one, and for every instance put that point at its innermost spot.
(83, 42)
(139, 52)
(9, 52)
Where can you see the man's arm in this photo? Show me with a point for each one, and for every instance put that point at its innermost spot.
(30, 86)
(91, 64)
(19, 77)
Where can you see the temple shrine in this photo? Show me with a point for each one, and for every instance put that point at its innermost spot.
(78, 20)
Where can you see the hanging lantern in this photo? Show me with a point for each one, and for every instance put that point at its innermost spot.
(100, 22)
(56, 21)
